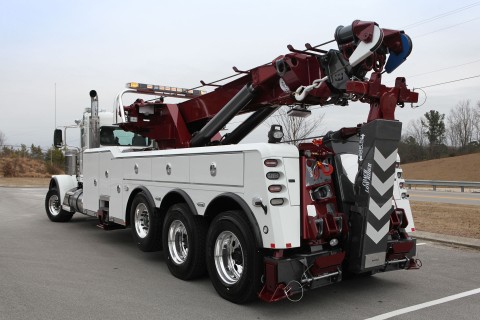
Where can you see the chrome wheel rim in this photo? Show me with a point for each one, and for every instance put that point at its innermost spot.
(178, 242)
(229, 258)
(54, 205)
(142, 220)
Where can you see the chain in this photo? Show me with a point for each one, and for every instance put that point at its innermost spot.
(303, 91)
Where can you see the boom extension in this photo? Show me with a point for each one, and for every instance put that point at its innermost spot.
(231, 109)
(322, 78)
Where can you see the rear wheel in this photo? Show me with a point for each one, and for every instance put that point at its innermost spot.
(233, 261)
(184, 242)
(145, 223)
(53, 207)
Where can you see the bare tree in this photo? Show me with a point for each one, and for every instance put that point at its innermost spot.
(416, 130)
(461, 124)
(295, 129)
(477, 122)
(2, 139)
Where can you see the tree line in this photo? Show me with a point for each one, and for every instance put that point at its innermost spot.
(11, 166)
(436, 135)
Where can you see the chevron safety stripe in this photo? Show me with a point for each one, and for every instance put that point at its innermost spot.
(384, 163)
(387, 162)
(382, 187)
(379, 212)
(377, 235)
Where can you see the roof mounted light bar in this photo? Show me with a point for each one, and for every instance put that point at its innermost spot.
(164, 90)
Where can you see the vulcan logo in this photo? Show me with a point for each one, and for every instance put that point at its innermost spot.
(360, 147)
(367, 174)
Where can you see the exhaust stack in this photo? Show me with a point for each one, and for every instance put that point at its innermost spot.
(94, 134)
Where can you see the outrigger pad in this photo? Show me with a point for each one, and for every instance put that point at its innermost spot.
(396, 59)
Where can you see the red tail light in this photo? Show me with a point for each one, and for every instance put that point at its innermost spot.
(270, 162)
(275, 188)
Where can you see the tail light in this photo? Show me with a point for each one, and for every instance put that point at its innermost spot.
(275, 188)
(270, 162)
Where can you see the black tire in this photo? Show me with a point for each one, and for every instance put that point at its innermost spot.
(145, 223)
(228, 228)
(53, 207)
(183, 240)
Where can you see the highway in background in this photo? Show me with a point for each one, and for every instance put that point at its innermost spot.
(468, 198)
(76, 271)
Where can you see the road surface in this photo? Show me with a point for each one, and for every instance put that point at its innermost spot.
(445, 197)
(77, 271)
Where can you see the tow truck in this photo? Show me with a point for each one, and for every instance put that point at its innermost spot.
(267, 219)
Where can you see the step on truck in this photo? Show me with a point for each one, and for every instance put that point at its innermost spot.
(268, 219)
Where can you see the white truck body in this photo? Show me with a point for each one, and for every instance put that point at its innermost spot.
(113, 173)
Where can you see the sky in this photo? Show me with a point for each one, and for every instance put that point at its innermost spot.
(52, 53)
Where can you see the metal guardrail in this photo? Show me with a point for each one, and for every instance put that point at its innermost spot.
(439, 183)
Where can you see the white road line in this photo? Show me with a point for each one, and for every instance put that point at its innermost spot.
(421, 244)
(425, 305)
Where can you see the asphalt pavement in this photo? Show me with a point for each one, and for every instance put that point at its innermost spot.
(469, 198)
(77, 271)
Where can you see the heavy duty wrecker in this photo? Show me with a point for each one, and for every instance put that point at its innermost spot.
(266, 220)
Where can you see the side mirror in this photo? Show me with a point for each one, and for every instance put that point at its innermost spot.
(57, 138)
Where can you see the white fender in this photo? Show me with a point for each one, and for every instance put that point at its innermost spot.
(64, 183)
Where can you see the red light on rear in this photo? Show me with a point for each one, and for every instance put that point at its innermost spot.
(289, 245)
(270, 162)
(272, 245)
(275, 188)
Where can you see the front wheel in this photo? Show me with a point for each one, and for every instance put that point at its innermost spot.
(53, 207)
(233, 261)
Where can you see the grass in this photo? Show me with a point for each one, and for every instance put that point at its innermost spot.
(461, 168)
(446, 218)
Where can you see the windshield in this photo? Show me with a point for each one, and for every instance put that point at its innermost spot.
(114, 136)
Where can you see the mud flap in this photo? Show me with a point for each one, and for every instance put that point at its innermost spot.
(370, 217)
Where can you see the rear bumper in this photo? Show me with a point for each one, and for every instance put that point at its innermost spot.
(287, 276)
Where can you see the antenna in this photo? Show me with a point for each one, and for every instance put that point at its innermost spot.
(55, 105)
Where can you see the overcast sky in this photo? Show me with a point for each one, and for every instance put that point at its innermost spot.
(101, 45)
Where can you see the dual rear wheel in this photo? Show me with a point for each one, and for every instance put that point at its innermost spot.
(183, 239)
(226, 248)
(233, 261)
